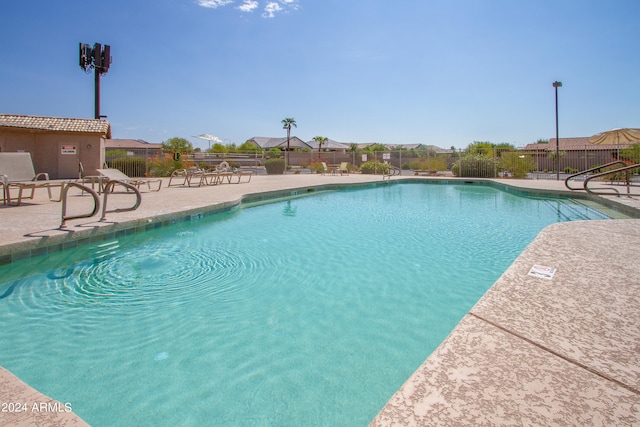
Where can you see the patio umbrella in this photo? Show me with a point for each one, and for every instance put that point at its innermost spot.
(210, 138)
(616, 136)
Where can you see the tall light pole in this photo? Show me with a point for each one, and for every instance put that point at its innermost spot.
(556, 85)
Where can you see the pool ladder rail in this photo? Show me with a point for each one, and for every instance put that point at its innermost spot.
(626, 168)
(108, 189)
(393, 171)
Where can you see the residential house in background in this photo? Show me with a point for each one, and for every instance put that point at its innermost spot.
(134, 147)
(329, 145)
(579, 153)
(267, 143)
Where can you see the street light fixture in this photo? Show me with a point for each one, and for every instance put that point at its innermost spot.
(556, 85)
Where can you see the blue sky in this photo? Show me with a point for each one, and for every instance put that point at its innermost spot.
(442, 72)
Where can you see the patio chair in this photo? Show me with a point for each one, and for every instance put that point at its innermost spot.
(4, 183)
(225, 171)
(186, 176)
(117, 175)
(17, 170)
(344, 168)
(325, 169)
(202, 177)
(98, 181)
(179, 175)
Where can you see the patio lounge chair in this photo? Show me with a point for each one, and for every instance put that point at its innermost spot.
(186, 176)
(237, 173)
(225, 171)
(117, 175)
(17, 171)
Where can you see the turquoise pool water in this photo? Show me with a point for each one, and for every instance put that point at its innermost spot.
(308, 311)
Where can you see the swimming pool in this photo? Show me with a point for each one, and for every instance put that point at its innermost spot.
(308, 311)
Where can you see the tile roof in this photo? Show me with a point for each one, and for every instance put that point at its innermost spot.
(581, 143)
(131, 143)
(59, 124)
(329, 144)
(266, 142)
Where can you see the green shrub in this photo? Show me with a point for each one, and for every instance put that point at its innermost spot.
(426, 165)
(274, 166)
(316, 166)
(516, 164)
(475, 166)
(164, 165)
(115, 153)
(374, 167)
(274, 153)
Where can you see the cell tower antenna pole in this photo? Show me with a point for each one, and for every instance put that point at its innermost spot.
(97, 88)
(99, 59)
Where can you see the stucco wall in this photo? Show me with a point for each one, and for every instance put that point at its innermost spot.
(57, 153)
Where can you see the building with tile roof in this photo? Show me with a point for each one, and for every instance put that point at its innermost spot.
(576, 152)
(58, 124)
(329, 145)
(267, 143)
(574, 144)
(57, 145)
(132, 144)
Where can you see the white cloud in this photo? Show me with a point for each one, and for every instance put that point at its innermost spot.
(271, 9)
(248, 6)
(214, 3)
(274, 7)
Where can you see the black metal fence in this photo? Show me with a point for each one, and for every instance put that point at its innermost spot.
(532, 164)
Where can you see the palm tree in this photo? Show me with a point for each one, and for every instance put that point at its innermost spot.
(287, 123)
(321, 140)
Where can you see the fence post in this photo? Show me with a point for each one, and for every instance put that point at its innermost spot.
(375, 164)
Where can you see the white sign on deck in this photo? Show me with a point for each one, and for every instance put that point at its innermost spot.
(542, 272)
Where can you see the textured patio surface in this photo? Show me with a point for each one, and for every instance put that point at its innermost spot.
(533, 351)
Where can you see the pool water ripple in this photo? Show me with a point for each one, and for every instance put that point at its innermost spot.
(162, 273)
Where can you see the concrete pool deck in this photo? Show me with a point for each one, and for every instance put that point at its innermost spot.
(532, 351)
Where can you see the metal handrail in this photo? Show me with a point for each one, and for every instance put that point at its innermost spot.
(597, 168)
(393, 171)
(610, 190)
(63, 198)
(108, 188)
